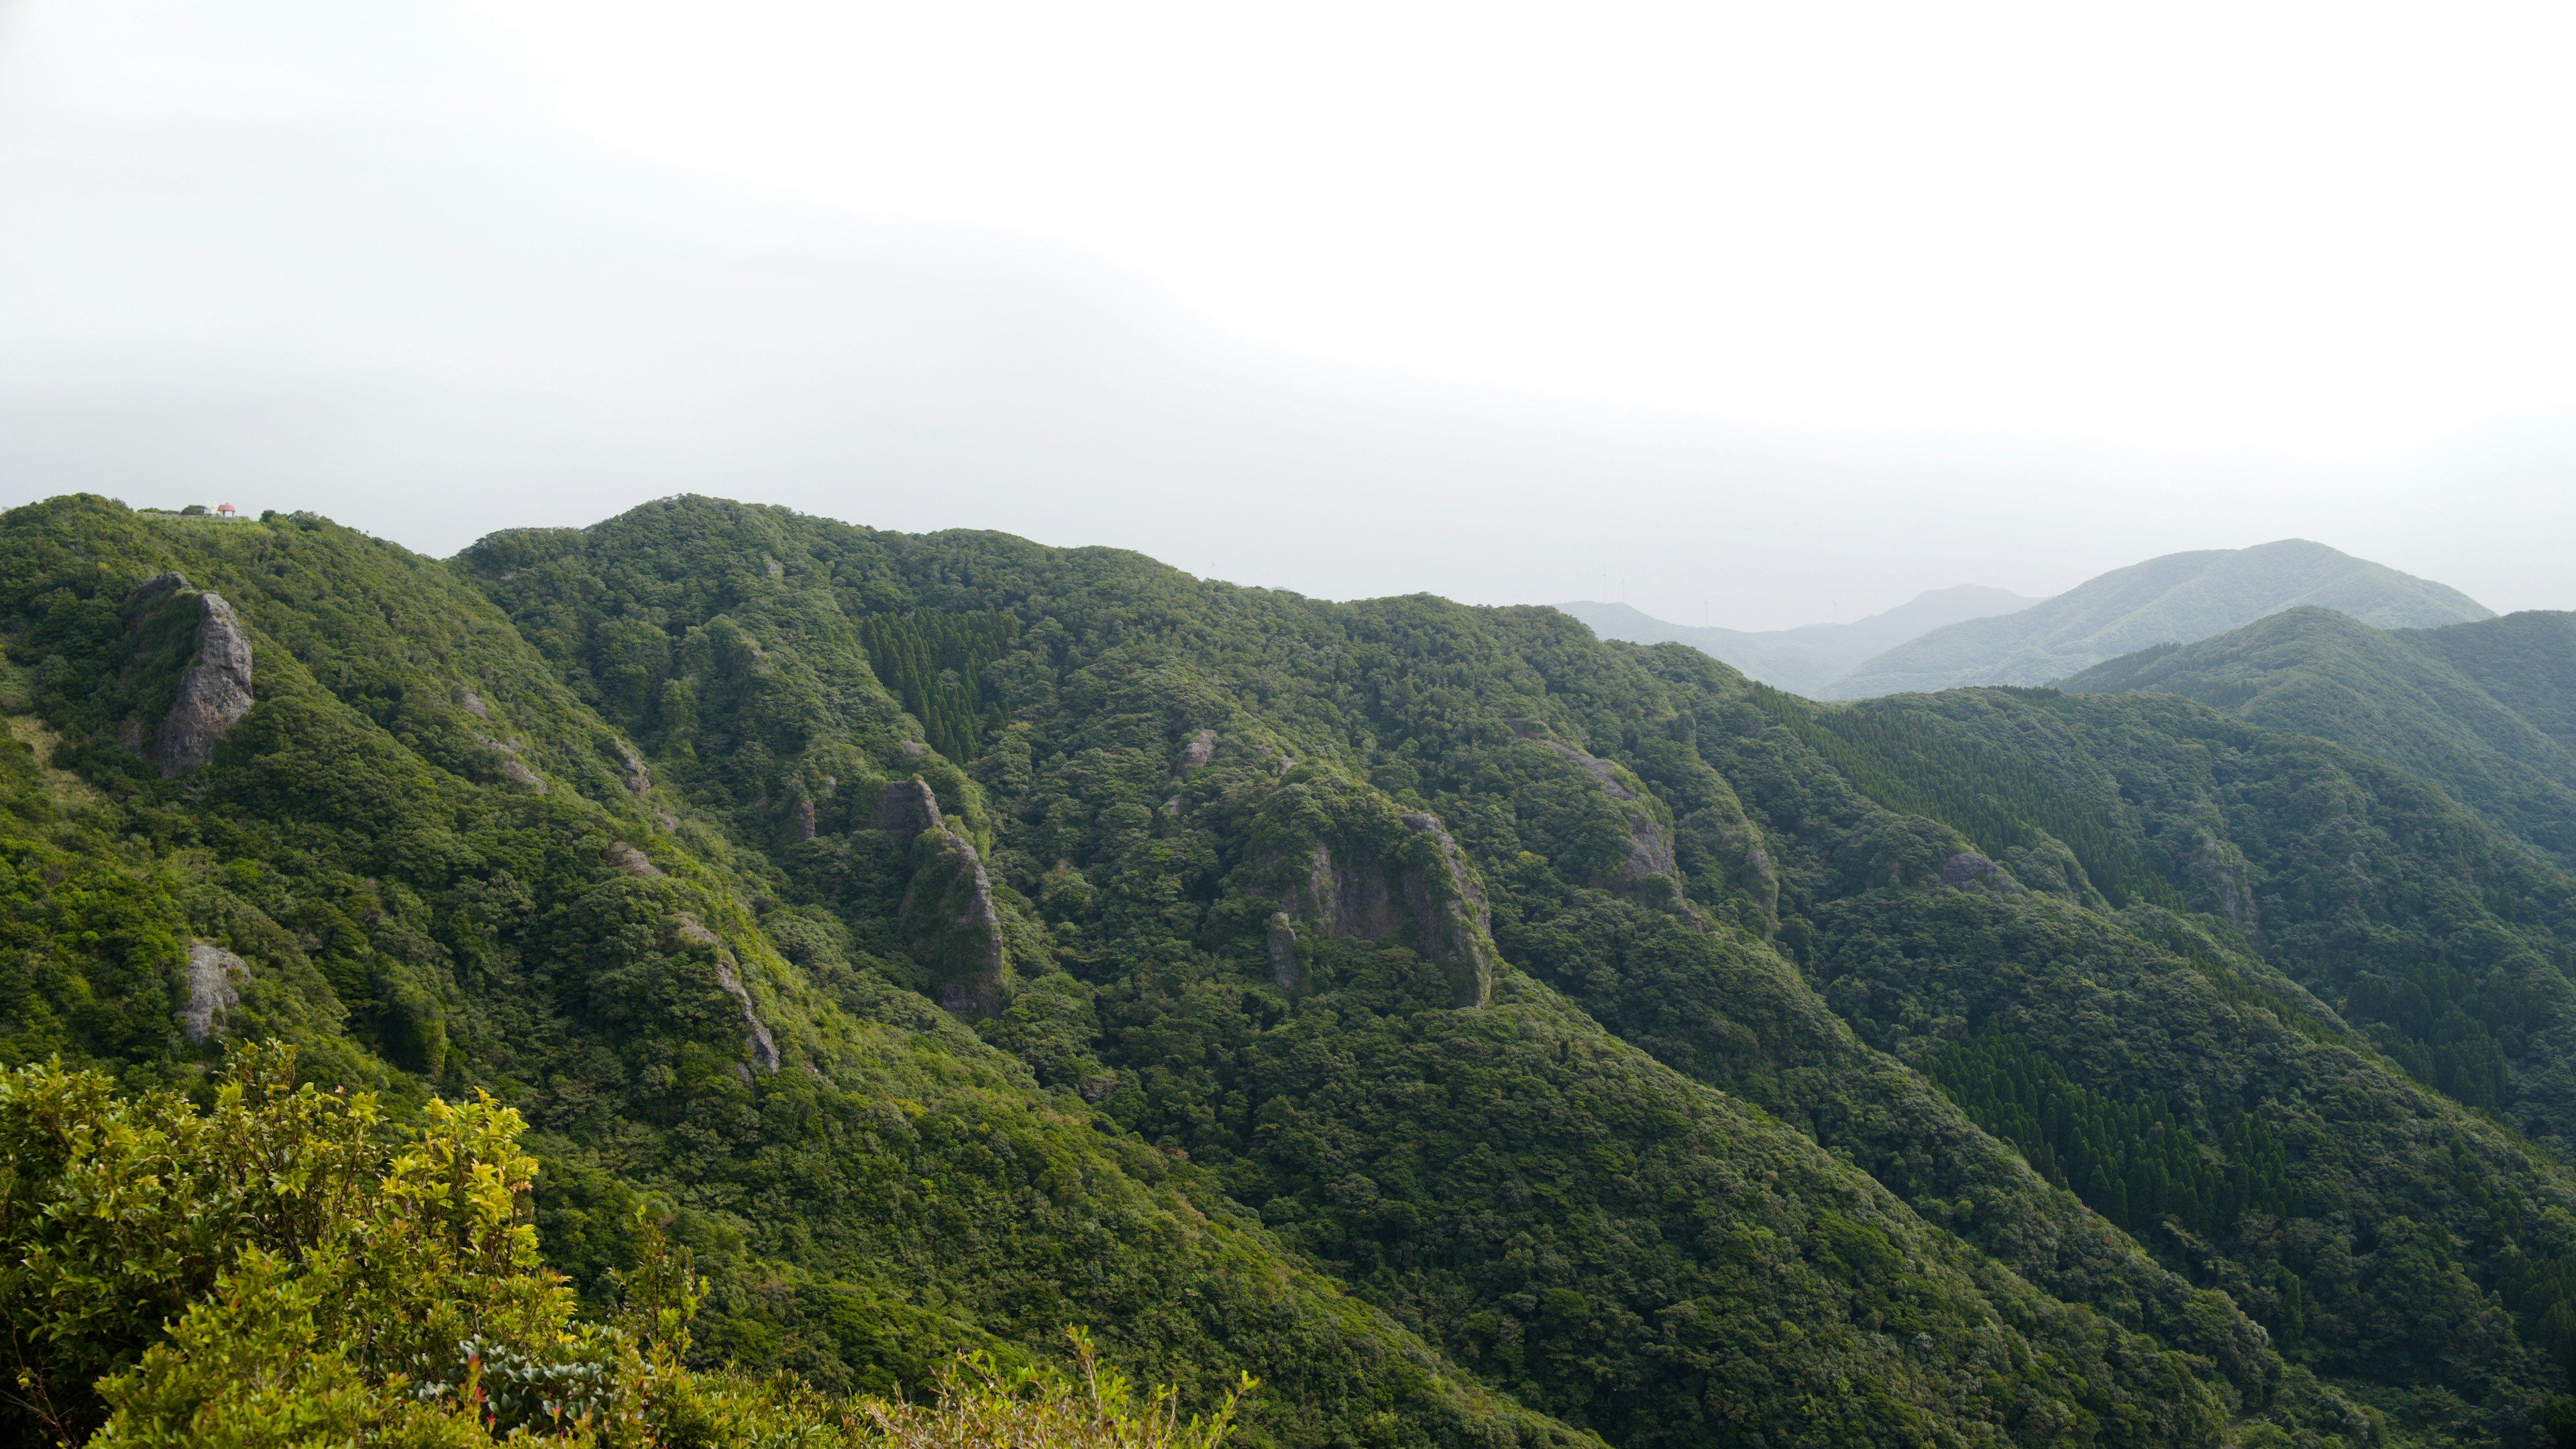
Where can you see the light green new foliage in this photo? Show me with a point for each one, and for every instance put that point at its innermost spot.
(307, 1261)
(338, 1282)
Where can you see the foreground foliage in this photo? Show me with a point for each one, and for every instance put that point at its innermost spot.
(282, 1268)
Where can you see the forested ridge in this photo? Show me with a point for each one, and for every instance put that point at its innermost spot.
(2482, 710)
(1479, 1032)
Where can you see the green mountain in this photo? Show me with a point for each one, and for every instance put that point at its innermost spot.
(2480, 709)
(1809, 658)
(2180, 597)
(1484, 1033)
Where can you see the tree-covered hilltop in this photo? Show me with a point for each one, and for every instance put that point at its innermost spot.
(2487, 710)
(1481, 1033)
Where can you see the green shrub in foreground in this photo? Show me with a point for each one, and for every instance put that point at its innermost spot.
(288, 1268)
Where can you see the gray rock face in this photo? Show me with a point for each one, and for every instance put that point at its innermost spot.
(638, 778)
(1198, 751)
(756, 1038)
(804, 813)
(949, 923)
(2221, 870)
(630, 860)
(214, 977)
(512, 767)
(159, 586)
(1283, 952)
(951, 926)
(1439, 911)
(1452, 917)
(1966, 867)
(215, 692)
(1343, 900)
(907, 809)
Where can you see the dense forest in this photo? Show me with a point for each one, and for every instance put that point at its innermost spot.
(1479, 1033)
(2486, 711)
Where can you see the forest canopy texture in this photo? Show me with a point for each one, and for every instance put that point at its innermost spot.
(1480, 1033)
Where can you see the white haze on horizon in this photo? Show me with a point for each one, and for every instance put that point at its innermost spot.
(435, 269)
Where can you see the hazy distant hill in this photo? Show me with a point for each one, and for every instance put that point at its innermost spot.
(1806, 659)
(2179, 598)
(2482, 709)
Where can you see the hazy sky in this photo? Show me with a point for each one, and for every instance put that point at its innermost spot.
(1752, 315)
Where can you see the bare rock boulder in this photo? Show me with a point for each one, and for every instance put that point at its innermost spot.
(950, 925)
(907, 809)
(1424, 896)
(213, 981)
(214, 693)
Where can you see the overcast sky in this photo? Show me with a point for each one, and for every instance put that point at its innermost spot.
(1751, 315)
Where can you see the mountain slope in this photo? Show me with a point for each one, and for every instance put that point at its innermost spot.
(1140, 719)
(2354, 928)
(705, 942)
(2525, 662)
(1170, 762)
(2433, 701)
(2179, 597)
(416, 855)
(1806, 659)
(1484, 1032)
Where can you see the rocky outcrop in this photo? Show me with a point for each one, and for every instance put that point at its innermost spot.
(1282, 943)
(906, 809)
(1198, 751)
(950, 925)
(756, 1038)
(214, 693)
(1428, 900)
(1650, 851)
(1967, 868)
(512, 766)
(2220, 871)
(155, 589)
(1452, 922)
(638, 778)
(214, 978)
(948, 919)
(630, 860)
(804, 817)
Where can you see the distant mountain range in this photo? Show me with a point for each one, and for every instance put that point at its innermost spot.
(1951, 638)
(2486, 710)
(2181, 597)
(1808, 659)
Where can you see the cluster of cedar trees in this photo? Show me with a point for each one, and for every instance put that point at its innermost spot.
(2136, 1162)
(934, 663)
